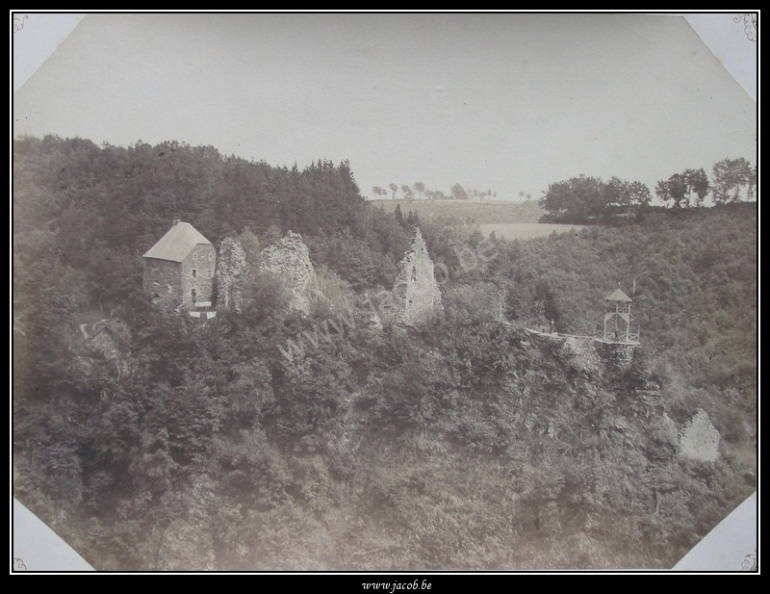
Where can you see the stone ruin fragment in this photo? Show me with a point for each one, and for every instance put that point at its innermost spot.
(289, 261)
(418, 296)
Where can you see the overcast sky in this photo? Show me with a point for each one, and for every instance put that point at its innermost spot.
(506, 102)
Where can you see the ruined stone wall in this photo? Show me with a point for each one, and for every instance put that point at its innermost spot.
(231, 268)
(416, 288)
(289, 261)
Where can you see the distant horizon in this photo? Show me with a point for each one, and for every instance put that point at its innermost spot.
(655, 201)
(507, 102)
(368, 195)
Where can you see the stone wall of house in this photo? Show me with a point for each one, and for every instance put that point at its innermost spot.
(699, 439)
(163, 282)
(198, 273)
(289, 261)
(416, 289)
(170, 284)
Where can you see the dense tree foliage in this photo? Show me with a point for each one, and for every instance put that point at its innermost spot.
(679, 188)
(586, 199)
(730, 177)
(696, 299)
(589, 199)
(460, 444)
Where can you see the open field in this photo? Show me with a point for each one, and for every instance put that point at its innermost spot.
(526, 230)
(508, 220)
(469, 212)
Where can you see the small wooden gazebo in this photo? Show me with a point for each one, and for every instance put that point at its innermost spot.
(620, 327)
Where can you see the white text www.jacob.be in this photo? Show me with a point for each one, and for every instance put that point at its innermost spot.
(391, 588)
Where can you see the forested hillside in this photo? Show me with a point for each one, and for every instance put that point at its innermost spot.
(461, 443)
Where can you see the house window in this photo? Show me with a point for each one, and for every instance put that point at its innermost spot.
(193, 294)
(209, 273)
(194, 273)
(195, 256)
(209, 256)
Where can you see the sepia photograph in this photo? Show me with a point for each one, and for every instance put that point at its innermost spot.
(378, 292)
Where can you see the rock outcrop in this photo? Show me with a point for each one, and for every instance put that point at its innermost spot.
(699, 440)
(289, 261)
(418, 294)
(615, 355)
(107, 340)
(231, 269)
(580, 355)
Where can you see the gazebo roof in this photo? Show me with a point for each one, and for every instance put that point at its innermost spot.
(618, 295)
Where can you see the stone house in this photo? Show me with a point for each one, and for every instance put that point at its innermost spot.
(179, 270)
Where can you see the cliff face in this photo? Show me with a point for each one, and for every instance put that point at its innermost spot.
(289, 261)
(418, 293)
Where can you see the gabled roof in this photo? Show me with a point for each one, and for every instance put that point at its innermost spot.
(618, 295)
(177, 243)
